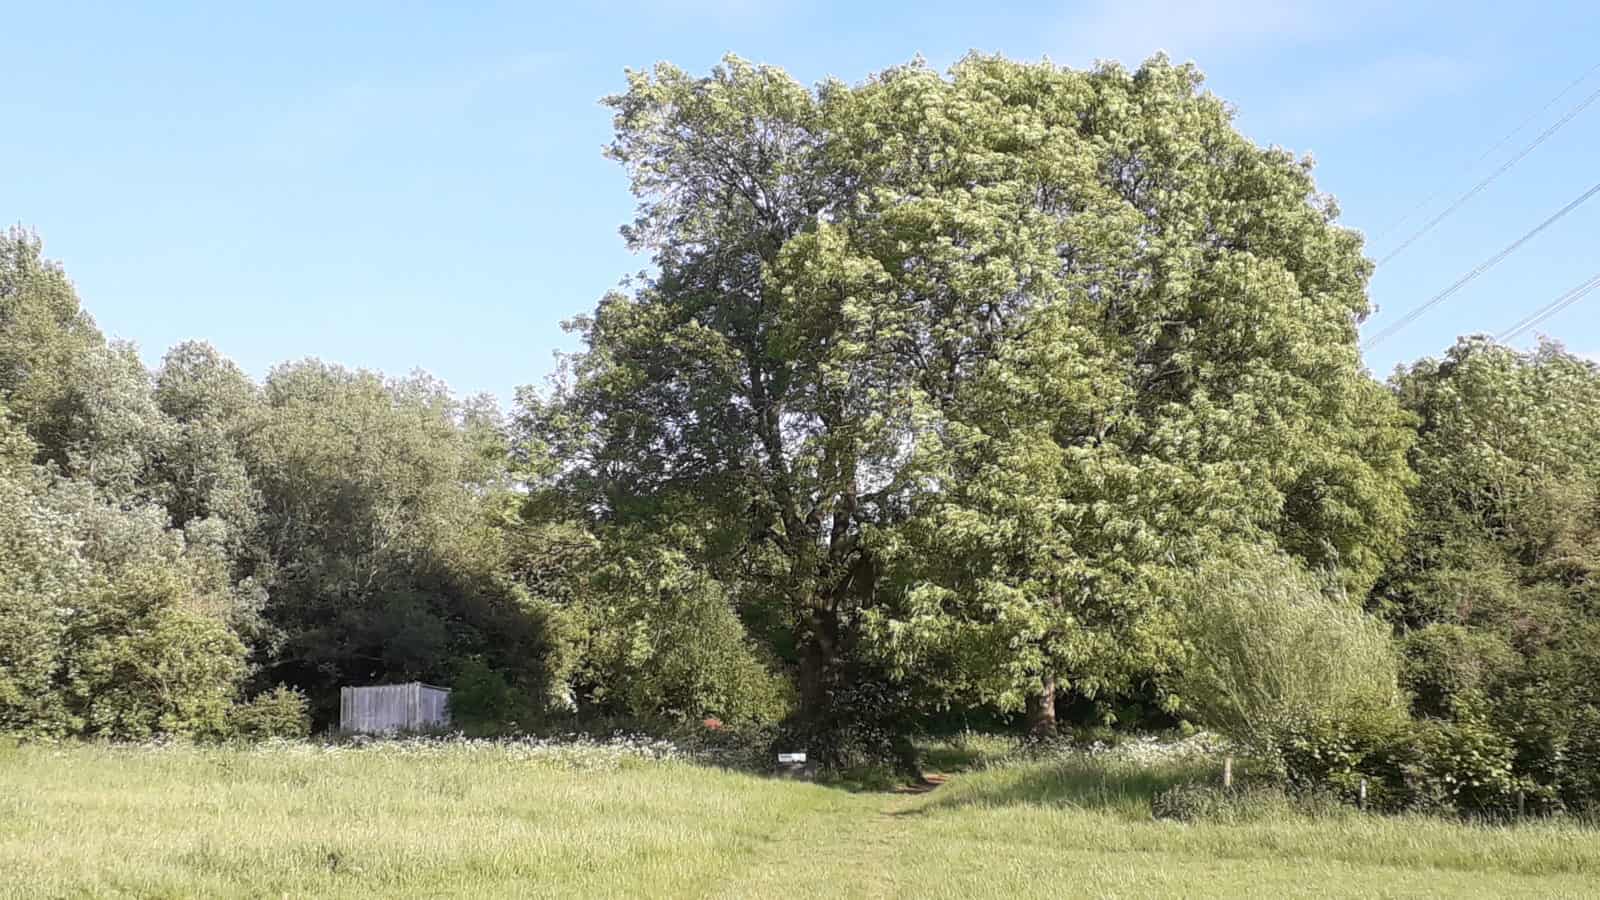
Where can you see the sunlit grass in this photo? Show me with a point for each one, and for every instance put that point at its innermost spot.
(485, 820)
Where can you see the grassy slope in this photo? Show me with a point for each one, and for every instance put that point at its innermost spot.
(479, 822)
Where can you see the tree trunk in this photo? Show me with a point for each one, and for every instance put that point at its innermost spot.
(817, 658)
(1041, 709)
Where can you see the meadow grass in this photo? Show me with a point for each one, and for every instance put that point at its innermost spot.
(486, 820)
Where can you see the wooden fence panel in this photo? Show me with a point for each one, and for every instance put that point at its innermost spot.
(393, 707)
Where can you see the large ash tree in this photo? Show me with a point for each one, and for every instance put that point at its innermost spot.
(942, 375)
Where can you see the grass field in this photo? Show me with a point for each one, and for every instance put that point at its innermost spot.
(487, 821)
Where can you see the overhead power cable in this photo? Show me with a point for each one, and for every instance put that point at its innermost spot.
(1417, 311)
(1434, 195)
(1549, 309)
(1504, 167)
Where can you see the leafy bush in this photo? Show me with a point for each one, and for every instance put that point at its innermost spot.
(40, 575)
(1578, 786)
(868, 722)
(142, 661)
(1468, 766)
(1306, 681)
(659, 639)
(482, 700)
(1551, 713)
(745, 746)
(1505, 728)
(1443, 662)
(1334, 754)
(282, 712)
(110, 624)
(1497, 585)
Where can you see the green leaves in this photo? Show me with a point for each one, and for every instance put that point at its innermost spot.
(659, 638)
(110, 623)
(1495, 587)
(952, 374)
(376, 502)
(1164, 363)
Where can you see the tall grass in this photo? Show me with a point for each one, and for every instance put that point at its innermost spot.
(487, 820)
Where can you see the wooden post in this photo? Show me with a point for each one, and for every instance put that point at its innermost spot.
(1361, 796)
(1522, 804)
(1227, 773)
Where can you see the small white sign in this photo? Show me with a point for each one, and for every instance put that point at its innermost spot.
(791, 757)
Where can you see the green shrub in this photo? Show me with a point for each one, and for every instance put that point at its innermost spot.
(482, 700)
(1468, 766)
(1305, 681)
(142, 661)
(40, 575)
(111, 624)
(1336, 756)
(1443, 662)
(1578, 783)
(660, 639)
(746, 746)
(1508, 723)
(282, 712)
(1551, 713)
(868, 723)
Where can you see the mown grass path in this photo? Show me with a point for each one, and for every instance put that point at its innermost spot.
(861, 850)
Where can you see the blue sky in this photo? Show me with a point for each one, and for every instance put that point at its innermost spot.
(394, 185)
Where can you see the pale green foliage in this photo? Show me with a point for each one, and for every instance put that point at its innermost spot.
(40, 578)
(109, 623)
(114, 432)
(1271, 653)
(44, 336)
(147, 647)
(146, 658)
(196, 383)
(334, 526)
(211, 406)
(1144, 329)
(211, 403)
(86, 405)
(16, 448)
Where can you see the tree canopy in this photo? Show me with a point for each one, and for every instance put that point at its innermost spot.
(967, 363)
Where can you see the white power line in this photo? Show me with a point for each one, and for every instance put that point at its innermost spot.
(1417, 311)
(1504, 167)
(1549, 309)
(1434, 195)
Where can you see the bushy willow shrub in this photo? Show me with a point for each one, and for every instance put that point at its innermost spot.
(1300, 676)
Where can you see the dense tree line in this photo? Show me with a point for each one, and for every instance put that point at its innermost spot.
(178, 540)
(1016, 388)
